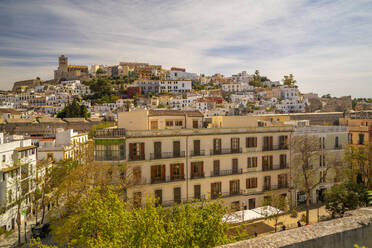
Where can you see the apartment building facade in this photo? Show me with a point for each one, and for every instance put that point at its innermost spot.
(240, 165)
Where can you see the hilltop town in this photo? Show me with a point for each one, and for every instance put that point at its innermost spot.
(154, 137)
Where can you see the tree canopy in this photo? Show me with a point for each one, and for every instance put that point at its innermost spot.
(289, 80)
(74, 109)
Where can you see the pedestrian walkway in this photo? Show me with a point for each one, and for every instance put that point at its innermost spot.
(12, 239)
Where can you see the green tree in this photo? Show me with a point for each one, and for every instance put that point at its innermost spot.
(74, 109)
(101, 219)
(100, 71)
(289, 80)
(344, 197)
(359, 161)
(102, 125)
(257, 79)
(279, 204)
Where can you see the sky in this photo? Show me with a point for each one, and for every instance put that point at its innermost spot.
(326, 45)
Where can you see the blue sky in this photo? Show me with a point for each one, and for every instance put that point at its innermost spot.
(327, 45)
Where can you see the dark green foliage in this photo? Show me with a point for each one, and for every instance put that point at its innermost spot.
(74, 110)
(344, 197)
(257, 79)
(103, 91)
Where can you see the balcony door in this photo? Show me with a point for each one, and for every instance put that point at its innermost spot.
(267, 182)
(252, 203)
(216, 167)
(176, 149)
(177, 195)
(157, 150)
(268, 143)
(196, 147)
(235, 166)
(216, 146)
(159, 196)
(235, 145)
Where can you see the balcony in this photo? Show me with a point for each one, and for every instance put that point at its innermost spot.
(165, 155)
(277, 167)
(109, 133)
(197, 153)
(167, 179)
(226, 151)
(136, 157)
(226, 172)
(275, 187)
(196, 176)
(339, 147)
(182, 200)
(275, 148)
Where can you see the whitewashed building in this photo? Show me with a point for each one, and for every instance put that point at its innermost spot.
(17, 178)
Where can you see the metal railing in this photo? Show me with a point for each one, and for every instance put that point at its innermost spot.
(225, 151)
(182, 200)
(165, 155)
(136, 157)
(276, 167)
(197, 153)
(109, 133)
(226, 172)
(274, 147)
(200, 175)
(275, 187)
(167, 179)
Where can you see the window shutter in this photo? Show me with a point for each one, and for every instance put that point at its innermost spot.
(202, 169)
(163, 172)
(142, 149)
(192, 169)
(131, 149)
(182, 170)
(171, 171)
(247, 142)
(247, 183)
(255, 141)
(152, 172)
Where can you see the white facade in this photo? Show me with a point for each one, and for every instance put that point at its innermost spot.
(181, 75)
(242, 77)
(17, 177)
(67, 144)
(291, 106)
(175, 86)
(231, 87)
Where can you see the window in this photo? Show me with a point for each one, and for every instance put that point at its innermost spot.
(337, 145)
(157, 150)
(267, 182)
(50, 156)
(234, 187)
(177, 194)
(4, 158)
(169, 123)
(196, 147)
(195, 124)
(350, 138)
(176, 149)
(252, 203)
(283, 141)
(268, 143)
(251, 183)
(216, 146)
(251, 142)
(235, 166)
(361, 139)
(235, 147)
(197, 169)
(216, 167)
(197, 191)
(252, 162)
(157, 173)
(178, 123)
(176, 171)
(282, 181)
(215, 190)
(267, 163)
(136, 151)
(154, 124)
(283, 161)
